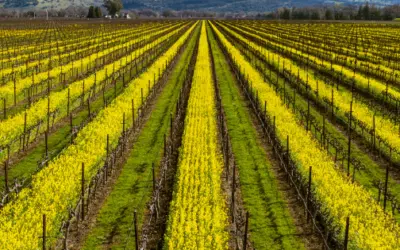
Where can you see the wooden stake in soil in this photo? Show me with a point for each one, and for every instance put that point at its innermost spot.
(108, 145)
(44, 232)
(346, 234)
(104, 97)
(107, 158)
(46, 140)
(48, 113)
(23, 141)
(123, 132)
(233, 191)
(245, 231)
(354, 173)
(274, 127)
(308, 193)
(48, 85)
(115, 88)
(308, 112)
(154, 177)
(89, 113)
(72, 127)
(5, 109)
(148, 87)
(123, 80)
(29, 96)
(373, 130)
(171, 124)
(349, 142)
(379, 191)
(68, 102)
(133, 114)
(165, 145)
(136, 230)
(141, 93)
(265, 109)
(6, 169)
(83, 93)
(323, 131)
(386, 184)
(15, 92)
(83, 192)
(287, 153)
(333, 110)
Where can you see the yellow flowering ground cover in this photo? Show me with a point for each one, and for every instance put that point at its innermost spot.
(198, 215)
(385, 128)
(371, 227)
(56, 187)
(14, 127)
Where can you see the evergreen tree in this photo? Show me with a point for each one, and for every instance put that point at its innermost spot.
(286, 14)
(113, 6)
(375, 13)
(98, 13)
(328, 14)
(365, 12)
(359, 14)
(315, 15)
(91, 12)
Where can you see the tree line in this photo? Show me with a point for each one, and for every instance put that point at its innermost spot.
(362, 12)
(113, 7)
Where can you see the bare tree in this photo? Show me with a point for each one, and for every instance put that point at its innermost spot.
(147, 13)
(169, 13)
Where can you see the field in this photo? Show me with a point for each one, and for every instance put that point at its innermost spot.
(186, 134)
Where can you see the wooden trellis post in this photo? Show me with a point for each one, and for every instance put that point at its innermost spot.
(46, 139)
(349, 141)
(308, 193)
(346, 234)
(136, 230)
(5, 109)
(83, 192)
(154, 176)
(233, 191)
(6, 168)
(245, 231)
(44, 232)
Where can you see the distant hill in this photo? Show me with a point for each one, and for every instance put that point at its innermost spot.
(243, 5)
(50, 4)
(214, 5)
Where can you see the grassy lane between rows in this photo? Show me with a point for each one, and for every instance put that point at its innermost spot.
(132, 191)
(271, 225)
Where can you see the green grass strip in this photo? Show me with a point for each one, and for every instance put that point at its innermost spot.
(133, 188)
(270, 223)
